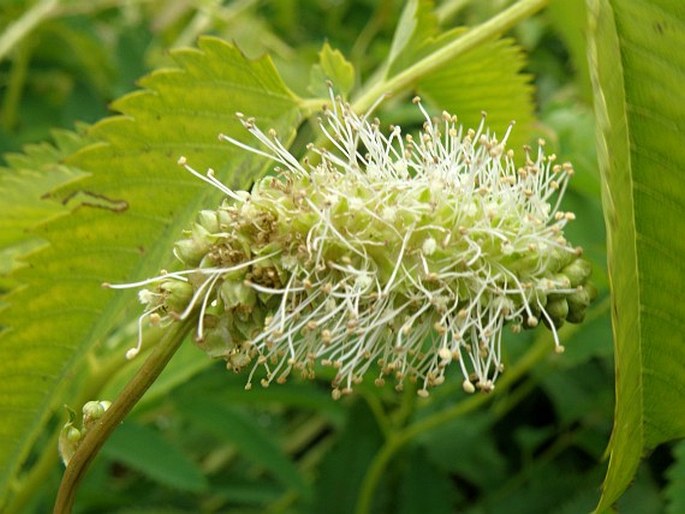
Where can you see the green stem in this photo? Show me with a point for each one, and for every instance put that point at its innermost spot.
(15, 87)
(471, 39)
(134, 390)
(25, 25)
(99, 374)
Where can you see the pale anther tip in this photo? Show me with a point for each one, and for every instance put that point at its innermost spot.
(182, 160)
(131, 353)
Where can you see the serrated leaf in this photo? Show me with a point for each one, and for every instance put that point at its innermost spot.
(485, 79)
(461, 447)
(675, 490)
(24, 185)
(250, 440)
(146, 451)
(417, 24)
(125, 216)
(332, 67)
(638, 72)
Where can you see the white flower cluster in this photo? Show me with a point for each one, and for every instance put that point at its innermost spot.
(385, 252)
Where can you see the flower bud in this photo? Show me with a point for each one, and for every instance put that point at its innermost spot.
(557, 309)
(176, 294)
(190, 251)
(209, 220)
(578, 271)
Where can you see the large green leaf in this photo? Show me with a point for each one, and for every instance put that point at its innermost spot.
(251, 440)
(124, 218)
(485, 79)
(24, 184)
(638, 69)
(144, 449)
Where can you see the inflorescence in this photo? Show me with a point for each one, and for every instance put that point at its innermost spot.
(394, 253)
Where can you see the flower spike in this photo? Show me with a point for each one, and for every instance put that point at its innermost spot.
(398, 254)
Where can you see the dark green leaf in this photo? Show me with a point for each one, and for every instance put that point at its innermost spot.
(466, 446)
(425, 488)
(344, 467)
(249, 438)
(675, 490)
(146, 451)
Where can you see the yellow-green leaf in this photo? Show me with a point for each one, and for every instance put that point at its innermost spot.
(638, 73)
(334, 67)
(24, 187)
(487, 79)
(124, 217)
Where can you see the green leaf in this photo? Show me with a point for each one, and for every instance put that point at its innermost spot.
(486, 79)
(425, 488)
(24, 187)
(342, 470)
(461, 447)
(638, 72)
(230, 389)
(124, 218)
(252, 441)
(675, 490)
(334, 67)
(417, 24)
(146, 451)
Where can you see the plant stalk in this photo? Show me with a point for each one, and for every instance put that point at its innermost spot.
(18, 30)
(134, 390)
(471, 39)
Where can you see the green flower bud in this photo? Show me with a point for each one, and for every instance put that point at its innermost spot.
(176, 294)
(93, 410)
(236, 294)
(557, 309)
(190, 251)
(209, 220)
(578, 271)
(69, 439)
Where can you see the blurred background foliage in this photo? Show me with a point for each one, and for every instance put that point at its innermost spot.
(198, 442)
